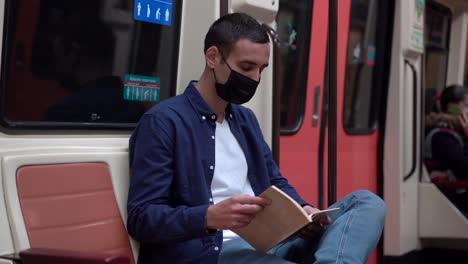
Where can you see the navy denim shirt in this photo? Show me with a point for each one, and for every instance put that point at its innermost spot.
(172, 159)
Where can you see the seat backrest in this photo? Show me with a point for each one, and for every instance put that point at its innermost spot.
(72, 207)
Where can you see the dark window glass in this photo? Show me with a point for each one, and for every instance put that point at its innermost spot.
(294, 22)
(366, 60)
(437, 35)
(65, 63)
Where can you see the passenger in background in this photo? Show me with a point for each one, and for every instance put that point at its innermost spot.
(447, 138)
(447, 141)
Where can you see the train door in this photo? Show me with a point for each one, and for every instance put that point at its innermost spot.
(363, 60)
(302, 27)
(364, 29)
(364, 37)
(363, 34)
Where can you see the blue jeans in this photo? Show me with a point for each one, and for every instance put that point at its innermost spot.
(350, 238)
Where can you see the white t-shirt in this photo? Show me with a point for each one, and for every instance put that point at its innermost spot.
(230, 173)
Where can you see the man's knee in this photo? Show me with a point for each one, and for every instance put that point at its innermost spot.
(371, 200)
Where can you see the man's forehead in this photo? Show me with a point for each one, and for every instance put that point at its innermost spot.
(246, 50)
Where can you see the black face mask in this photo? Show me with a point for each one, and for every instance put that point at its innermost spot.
(238, 89)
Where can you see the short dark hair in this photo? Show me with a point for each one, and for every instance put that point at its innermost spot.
(228, 29)
(452, 94)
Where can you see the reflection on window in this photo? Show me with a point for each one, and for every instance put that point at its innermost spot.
(365, 62)
(437, 34)
(294, 22)
(66, 63)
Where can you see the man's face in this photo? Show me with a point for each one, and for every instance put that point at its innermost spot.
(247, 58)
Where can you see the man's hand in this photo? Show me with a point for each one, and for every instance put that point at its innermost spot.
(315, 228)
(234, 212)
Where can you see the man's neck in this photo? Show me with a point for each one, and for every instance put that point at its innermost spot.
(206, 88)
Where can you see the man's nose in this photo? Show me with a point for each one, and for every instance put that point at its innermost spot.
(257, 75)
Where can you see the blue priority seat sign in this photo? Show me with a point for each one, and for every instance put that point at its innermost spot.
(153, 11)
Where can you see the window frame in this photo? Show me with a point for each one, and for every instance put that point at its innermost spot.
(290, 131)
(430, 48)
(86, 128)
(383, 56)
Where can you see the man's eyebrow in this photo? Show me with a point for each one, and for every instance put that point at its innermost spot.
(254, 63)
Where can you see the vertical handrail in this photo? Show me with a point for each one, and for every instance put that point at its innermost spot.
(332, 99)
(276, 92)
(415, 121)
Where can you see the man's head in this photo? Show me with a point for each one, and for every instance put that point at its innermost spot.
(237, 49)
(229, 29)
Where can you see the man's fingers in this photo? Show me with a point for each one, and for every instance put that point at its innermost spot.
(311, 231)
(241, 220)
(325, 220)
(247, 199)
(315, 227)
(248, 209)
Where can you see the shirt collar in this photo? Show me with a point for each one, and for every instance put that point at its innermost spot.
(201, 108)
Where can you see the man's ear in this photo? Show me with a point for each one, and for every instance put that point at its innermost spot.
(212, 57)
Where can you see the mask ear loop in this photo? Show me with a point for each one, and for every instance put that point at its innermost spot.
(222, 57)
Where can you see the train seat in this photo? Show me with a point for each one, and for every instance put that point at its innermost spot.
(70, 213)
(443, 178)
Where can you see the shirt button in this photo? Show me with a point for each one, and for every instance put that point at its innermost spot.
(211, 167)
(211, 199)
(216, 248)
(213, 117)
(203, 117)
(212, 137)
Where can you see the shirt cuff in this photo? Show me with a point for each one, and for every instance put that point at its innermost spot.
(197, 221)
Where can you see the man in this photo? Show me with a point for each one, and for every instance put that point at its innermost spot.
(198, 160)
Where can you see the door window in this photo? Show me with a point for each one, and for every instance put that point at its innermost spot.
(367, 57)
(294, 21)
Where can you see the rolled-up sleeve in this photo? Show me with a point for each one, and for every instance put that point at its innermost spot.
(151, 218)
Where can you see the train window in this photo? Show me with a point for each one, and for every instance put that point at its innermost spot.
(85, 64)
(294, 22)
(366, 63)
(436, 38)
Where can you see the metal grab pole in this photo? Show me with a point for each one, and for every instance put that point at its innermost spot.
(332, 99)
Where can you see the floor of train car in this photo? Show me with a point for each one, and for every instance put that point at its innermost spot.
(431, 256)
